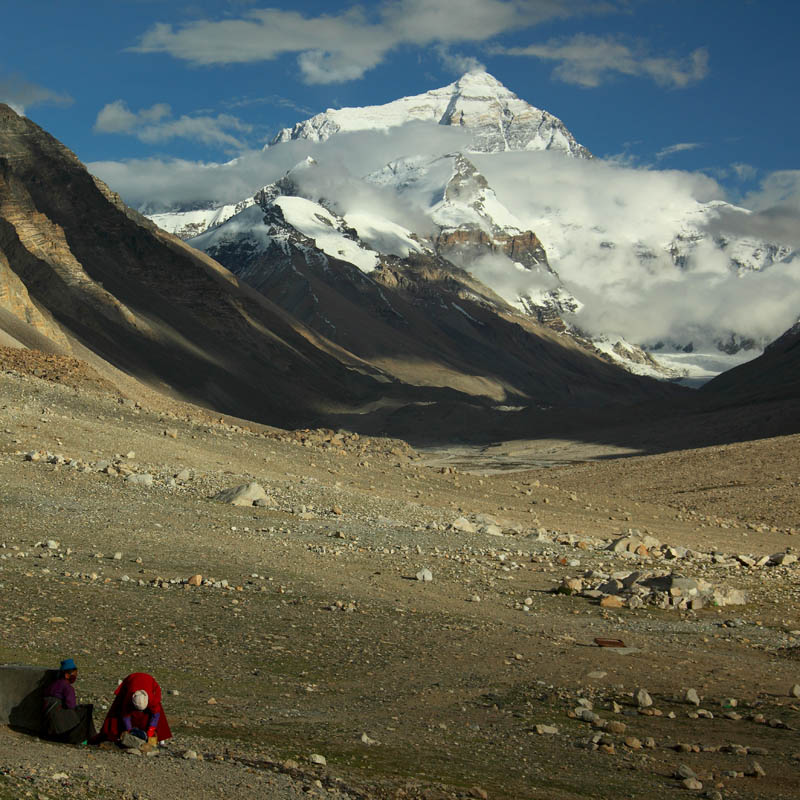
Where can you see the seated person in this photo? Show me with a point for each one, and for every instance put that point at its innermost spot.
(137, 711)
(64, 719)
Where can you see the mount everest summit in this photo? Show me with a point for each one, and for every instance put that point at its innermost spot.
(646, 267)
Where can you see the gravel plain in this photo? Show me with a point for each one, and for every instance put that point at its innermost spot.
(310, 634)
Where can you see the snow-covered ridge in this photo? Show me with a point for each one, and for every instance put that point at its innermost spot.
(496, 117)
(186, 224)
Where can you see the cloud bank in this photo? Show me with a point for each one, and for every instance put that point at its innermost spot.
(588, 61)
(21, 94)
(157, 124)
(612, 232)
(337, 47)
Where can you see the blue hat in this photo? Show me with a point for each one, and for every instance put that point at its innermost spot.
(68, 664)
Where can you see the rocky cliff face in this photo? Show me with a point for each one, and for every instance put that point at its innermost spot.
(471, 243)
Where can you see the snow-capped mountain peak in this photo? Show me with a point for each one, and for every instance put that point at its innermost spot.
(496, 117)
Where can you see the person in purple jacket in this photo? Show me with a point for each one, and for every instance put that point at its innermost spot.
(64, 719)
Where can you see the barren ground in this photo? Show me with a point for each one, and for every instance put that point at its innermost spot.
(324, 634)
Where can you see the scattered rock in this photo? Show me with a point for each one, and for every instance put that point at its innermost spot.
(546, 730)
(245, 495)
(643, 699)
(463, 524)
(137, 479)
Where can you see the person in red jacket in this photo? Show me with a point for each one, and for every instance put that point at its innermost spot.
(137, 711)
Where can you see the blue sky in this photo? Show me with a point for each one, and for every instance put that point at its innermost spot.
(697, 85)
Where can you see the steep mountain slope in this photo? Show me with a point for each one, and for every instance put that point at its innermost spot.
(84, 269)
(79, 267)
(494, 116)
(774, 375)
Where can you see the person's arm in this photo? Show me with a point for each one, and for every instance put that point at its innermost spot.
(153, 724)
(69, 698)
(126, 722)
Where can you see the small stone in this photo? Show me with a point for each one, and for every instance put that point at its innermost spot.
(643, 699)
(212, 701)
(290, 763)
(425, 575)
(52, 544)
(134, 479)
(316, 758)
(367, 740)
(612, 601)
(464, 525)
(117, 556)
(692, 697)
(692, 784)
(195, 580)
(757, 771)
(633, 743)
(244, 495)
(190, 755)
(546, 730)
(616, 727)
(795, 690)
(570, 586)
(685, 771)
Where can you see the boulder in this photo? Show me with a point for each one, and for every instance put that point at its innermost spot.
(464, 525)
(21, 692)
(245, 495)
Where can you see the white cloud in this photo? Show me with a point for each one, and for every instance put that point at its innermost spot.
(162, 184)
(588, 61)
(607, 228)
(343, 46)
(271, 100)
(680, 147)
(744, 172)
(459, 63)
(156, 124)
(21, 94)
(778, 189)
